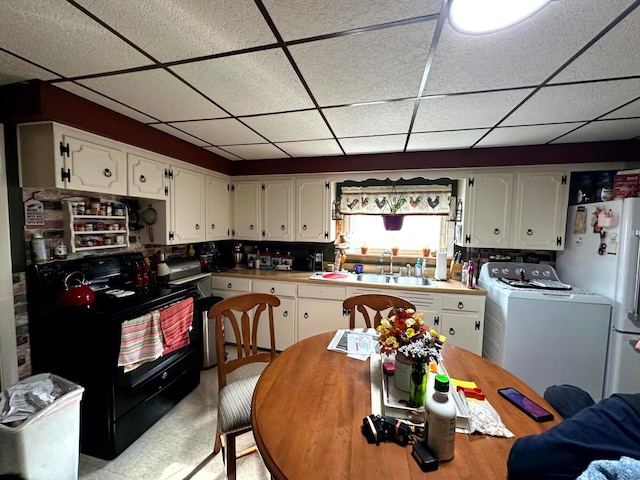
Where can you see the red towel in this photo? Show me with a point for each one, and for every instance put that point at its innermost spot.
(175, 321)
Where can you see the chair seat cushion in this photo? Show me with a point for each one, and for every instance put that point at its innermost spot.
(234, 404)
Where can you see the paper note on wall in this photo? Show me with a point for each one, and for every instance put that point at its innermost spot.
(580, 221)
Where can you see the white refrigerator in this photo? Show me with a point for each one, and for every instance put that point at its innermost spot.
(602, 255)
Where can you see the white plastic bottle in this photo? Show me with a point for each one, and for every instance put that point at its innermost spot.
(441, 420)
(418, 268)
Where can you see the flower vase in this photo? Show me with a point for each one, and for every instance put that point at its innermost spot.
(418, 384)
(402, 374)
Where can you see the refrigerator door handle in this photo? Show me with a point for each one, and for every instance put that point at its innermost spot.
(633, 316)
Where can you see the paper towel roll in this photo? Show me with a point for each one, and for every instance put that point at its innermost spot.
(441, 266)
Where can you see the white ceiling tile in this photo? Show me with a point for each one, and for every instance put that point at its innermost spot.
(223, 153)
(14, 70)
(256, 151)
(603, 130)
(630, 110)
(523, 55)
(444, 140)
(171, 130)
(616, 54)
(170, 30)
(283, 127)
(528, 135)
(55, 34)
(377, 65)
(248, 84)
(578, 102)
(105, 102)
(227, 131)
(156, 93)
(311, 148)
(458, 112)
(297, 19)
(376, 119)
(381, 144)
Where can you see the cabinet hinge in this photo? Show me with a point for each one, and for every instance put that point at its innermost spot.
(168, 173)
(263, 233)
(64, 149)
(228, 187)
(326, 185)
(471, 182)
(436, 320)
(558, 241)
(171, 235)
(233, 233)
(233, 188)
(166, 191)
(263, 187)
(564, 179)
(467, 239)
(66, 174)
(478, 325)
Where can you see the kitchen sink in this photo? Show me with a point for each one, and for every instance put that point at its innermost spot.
(413, 281)
(392, 279)
(373, 278)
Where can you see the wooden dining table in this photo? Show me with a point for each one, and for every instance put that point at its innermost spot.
(309, 404)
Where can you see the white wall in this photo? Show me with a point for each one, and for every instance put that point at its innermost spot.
(8, 355)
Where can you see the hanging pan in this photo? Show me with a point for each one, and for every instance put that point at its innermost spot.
(149, 217)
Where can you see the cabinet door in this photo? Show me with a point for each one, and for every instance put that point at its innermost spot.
(246, 210)
(94, 167)
(541, 210)
(277, 203)
(486, 211)
(313, 216)
(462, 330)
(187, 206)
(147, 177)
(218, 225)
(317, 316)
(284, 320)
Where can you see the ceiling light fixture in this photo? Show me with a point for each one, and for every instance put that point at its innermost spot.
(487, 16)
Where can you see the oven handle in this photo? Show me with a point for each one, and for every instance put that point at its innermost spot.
(633, 316)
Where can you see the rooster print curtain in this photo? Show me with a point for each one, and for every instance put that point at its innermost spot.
(401, 200)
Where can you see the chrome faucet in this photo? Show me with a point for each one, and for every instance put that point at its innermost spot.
(390, 260)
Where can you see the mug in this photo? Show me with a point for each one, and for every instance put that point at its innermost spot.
(358, 268)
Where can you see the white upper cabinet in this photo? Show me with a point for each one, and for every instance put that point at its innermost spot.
(148, 177)
(246, 210)
(313, 210)
(277, 215)
(188, 205)
(57, 156)
(218, 208)
(526, 210)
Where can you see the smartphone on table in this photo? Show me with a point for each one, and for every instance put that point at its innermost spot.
(525, 404)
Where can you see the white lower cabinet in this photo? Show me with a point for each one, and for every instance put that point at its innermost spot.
(284, 316)
(462, 321)
(320, 310)
(227, 287)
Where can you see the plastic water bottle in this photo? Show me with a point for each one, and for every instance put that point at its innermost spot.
(441, 420)
(418, 268)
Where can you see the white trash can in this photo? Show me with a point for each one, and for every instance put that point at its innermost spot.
(46, 445)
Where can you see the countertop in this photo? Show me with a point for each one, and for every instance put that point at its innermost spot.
(449, 286)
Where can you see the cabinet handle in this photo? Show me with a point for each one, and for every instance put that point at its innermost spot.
(143, 179)
(452, 331)
(228, 285)
(306, 315)
(107, 172)
(460, 305)
(165, 375)
(272, 290)
(285, 313)
(304, 227)
(250, 227)
(529, 232)
(282, 227)
(496, 231)
(213, 226)
(197, 226)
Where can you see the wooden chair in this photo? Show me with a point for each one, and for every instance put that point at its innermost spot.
(377, 303)
(234, 397)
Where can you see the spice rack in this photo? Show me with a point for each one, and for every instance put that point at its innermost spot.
(91, 224)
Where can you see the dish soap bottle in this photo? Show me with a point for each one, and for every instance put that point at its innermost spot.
(418, 269)
(440, 427)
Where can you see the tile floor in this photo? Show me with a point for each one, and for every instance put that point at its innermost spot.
(179, 446)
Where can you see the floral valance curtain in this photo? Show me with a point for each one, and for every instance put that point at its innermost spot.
(404, 200)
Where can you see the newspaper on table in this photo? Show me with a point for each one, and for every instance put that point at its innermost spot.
(23, 399)
(358, 343)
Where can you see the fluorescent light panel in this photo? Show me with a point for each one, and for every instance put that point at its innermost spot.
(486, 16)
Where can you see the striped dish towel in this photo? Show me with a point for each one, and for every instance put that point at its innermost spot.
(175, 321)
(141, 341)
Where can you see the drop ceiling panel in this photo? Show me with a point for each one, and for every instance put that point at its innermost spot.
(171, 30)
(527, 135)
(614, 55)
(297, 19)
(14, 70)
(256, 151)
(523, 55)
(156, 93)
(84, 92)
(293, 126)
(312, 148)
(228, 131)
(222, 153)
(176, 132)
(566, 103)
(630, 110)
(383, 143)
(457, 112)
(604, 130)
(251, 83)
(55, 34)
(444, 140)
(377, 119)
(378, 65)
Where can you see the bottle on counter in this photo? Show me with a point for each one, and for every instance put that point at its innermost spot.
(440, 426)
(471, 278)
(418, 268)
(39, 248)
(465, 273)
